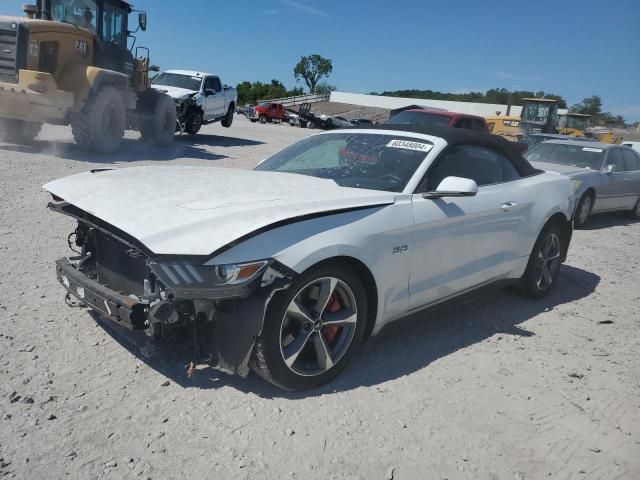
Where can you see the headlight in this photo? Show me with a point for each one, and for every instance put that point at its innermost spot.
(183, 274)
(575, 185)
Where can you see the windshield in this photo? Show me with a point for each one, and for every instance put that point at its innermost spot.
(419, 118)
(82, 13)
(579, 123)
(570, 155)
(538, 112)
(179, 81)
(360, 160)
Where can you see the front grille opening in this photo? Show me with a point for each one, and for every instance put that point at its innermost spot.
(120, 267)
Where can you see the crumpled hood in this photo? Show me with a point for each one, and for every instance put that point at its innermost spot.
(564, 169)
(175, 92)
(184, 210)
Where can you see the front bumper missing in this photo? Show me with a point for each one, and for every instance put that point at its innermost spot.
(226, 342)
(124, 311)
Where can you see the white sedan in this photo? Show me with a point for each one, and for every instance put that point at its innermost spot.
(287, 269)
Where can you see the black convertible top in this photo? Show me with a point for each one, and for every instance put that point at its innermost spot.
(455, 136)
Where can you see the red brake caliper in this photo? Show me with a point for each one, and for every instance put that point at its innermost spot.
(329, 333)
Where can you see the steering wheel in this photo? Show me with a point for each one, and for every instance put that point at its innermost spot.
(394, 179)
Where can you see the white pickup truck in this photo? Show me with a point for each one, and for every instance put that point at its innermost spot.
(200, 98)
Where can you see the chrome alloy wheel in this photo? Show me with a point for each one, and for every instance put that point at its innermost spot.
(318, 326)
(548, 261)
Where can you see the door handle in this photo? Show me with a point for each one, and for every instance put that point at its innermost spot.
(508, 206)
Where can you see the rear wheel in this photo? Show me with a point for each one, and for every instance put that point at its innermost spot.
(583, 210)
(159, 125)
(228, 119)
(19, 131)
(635, 213)
(100, 125)
(312, 329)
(544, 263)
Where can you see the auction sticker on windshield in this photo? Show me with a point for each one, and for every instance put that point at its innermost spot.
(407, 145)
(589, 149)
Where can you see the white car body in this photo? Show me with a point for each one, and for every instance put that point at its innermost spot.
(215, 103)
(420, 251)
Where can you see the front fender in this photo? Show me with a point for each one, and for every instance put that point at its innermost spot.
(367, 235)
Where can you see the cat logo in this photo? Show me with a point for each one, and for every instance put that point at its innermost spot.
(81, 48)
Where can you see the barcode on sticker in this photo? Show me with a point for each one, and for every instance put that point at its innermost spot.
(589, 149)
(408, 145)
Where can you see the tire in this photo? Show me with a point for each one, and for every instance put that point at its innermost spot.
(308, 338)
(545, 256)
(635, 213)
(311, 124)
(583, 210)
(19, 131)
(253, 120)
(227, 121)
(160, 126)
(263, 119)
(100, 125)
(194, 124)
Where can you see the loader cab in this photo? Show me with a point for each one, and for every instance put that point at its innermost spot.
(539, 115)
(108, 22)
(574, 124)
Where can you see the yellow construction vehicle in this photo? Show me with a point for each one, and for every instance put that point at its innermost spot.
(538, 115)
(507, 126)
(573, 124)
(68, 63)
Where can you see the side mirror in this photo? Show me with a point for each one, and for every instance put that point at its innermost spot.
(142, 21)
(609, 169)
(208, 92)
(454, 187)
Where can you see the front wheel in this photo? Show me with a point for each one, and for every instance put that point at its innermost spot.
(194, 124)
(100, 125)
(263, 119)
(160, 127)
(19, 131)
(583, 210)
(544, 263)
(312, 329)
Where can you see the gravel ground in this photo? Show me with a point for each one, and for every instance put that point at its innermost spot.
(501, 388)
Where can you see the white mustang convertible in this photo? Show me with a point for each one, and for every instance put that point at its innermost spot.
(287, 269)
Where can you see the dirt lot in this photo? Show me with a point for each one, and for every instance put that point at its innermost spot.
(501, 388)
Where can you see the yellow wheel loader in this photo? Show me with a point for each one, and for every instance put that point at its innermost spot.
(68, 62)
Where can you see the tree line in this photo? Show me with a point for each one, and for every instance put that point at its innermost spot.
(494, 95)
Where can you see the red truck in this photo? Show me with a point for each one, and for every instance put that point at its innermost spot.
(266, 112)
(442, 118)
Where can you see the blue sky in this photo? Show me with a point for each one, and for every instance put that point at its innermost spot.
(575, 48)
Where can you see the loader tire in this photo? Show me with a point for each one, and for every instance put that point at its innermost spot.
(19, 131)
(160, 125)
(99, 126)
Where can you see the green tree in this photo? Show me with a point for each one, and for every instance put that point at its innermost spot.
(323, 88)
(589, 106)
(311, 69)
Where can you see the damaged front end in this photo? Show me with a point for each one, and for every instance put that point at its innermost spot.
(223, 305)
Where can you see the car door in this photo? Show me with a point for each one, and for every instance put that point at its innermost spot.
(613, 192)
(464, 242)
(214, 100)
(632, 179)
